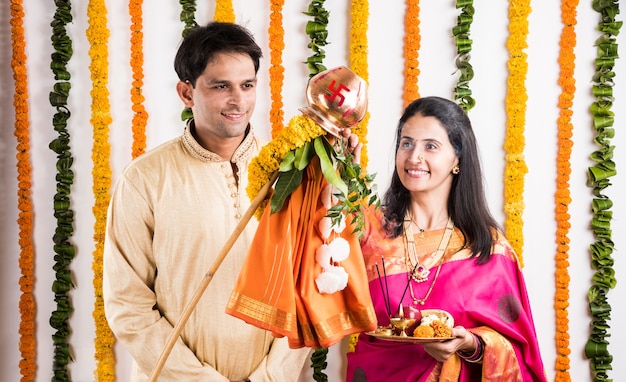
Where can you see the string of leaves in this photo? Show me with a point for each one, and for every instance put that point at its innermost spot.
(63, 248)
(188, 17)
(317, 30)
(461, 32)
(598, 178)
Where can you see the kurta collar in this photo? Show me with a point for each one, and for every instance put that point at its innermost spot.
(243, 152)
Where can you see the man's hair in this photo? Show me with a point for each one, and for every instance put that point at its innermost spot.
(203, 43)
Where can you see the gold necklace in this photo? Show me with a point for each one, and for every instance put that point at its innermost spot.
(420, 273)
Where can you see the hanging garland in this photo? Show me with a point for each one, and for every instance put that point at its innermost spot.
(598, 178)
(317, 30)
(411, 51)
(224, 11)
(140, 116)
(98, 35)
(359, 16)
(562, 195)
(462, 92)
(63, 248)
(188, 15)
(28, 343)
(516, 97)
(300, 130)
(277, 71)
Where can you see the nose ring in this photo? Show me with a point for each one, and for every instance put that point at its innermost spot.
(420, 158)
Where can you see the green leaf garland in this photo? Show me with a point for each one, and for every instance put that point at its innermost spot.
(188, 17)
(317, 30)
(63, 248)
(461, 32)
(596, 349)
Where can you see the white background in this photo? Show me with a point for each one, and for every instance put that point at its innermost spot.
(162, 30)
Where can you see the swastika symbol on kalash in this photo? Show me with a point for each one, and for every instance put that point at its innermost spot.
(336, 92)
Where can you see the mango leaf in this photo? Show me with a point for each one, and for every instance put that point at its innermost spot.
(287, 162)
(329, 171)
(287, 182)
(304, 154)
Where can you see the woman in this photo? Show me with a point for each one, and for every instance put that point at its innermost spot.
(435, 245)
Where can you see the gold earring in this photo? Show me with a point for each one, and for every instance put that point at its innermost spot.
(456, 170)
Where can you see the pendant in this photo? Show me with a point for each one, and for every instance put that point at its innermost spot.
(421, 274)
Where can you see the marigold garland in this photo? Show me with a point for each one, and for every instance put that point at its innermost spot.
(140, 116)
(301, 129)
(63, 248)
(224, 11)
(412, 41)
(562, 195)
(277, 71)
(515, 104)
(359, 19)
(359, 16)
(98, 35)
(598, 175)
(28, 343)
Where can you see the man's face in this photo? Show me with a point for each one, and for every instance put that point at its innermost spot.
(224, 98)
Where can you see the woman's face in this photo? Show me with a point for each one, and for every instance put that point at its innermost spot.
(425, 157)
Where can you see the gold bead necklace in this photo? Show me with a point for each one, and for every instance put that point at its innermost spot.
(420, 272)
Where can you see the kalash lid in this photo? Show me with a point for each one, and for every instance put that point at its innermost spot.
(337, 99)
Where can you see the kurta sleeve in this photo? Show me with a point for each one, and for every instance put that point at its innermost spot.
(128, 287)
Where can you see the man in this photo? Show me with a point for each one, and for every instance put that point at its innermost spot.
(172, 212)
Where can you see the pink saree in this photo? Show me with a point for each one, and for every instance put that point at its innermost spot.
(489, 300)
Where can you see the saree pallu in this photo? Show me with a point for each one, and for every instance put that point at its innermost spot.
(489, 300)
(276, 288)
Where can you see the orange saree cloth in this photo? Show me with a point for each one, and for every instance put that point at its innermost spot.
(276, 287)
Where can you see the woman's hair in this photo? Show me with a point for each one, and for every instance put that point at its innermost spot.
(466, 203)
(203, 43)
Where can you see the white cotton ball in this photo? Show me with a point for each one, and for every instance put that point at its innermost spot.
(327, 282)
(339, 249)
(324, 226)
(341, 275)
(323, 255)
(331, 280)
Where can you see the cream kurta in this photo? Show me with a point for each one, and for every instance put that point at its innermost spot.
(170, 215)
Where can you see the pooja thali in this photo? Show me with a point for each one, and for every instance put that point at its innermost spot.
(401, 329)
